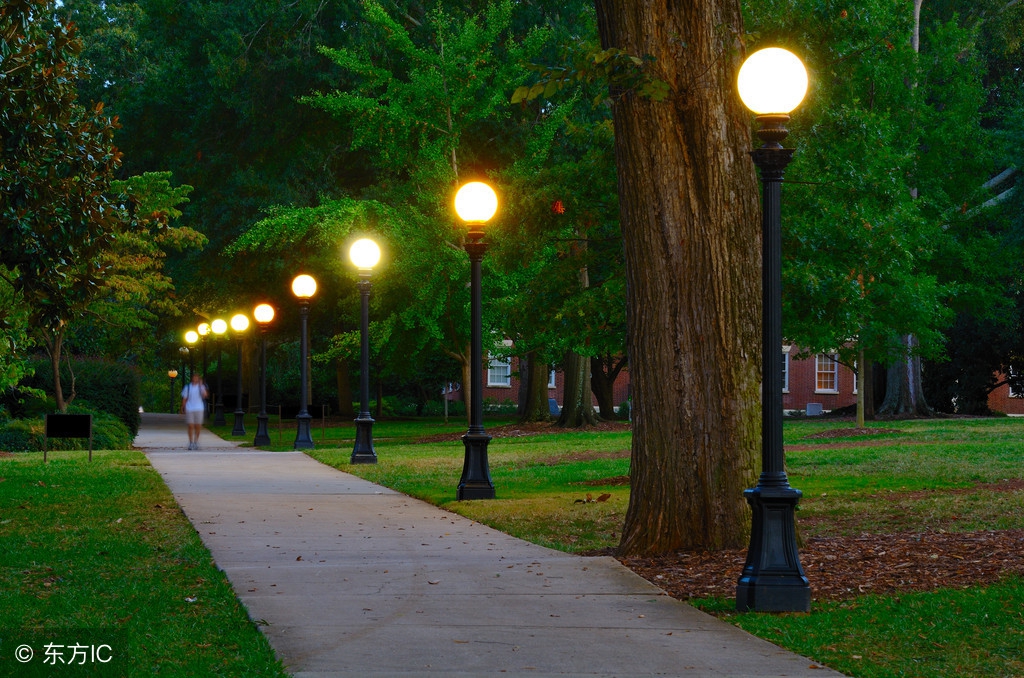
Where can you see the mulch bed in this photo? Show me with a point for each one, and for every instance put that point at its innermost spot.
(839, 568)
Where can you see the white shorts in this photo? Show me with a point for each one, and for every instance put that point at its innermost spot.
(194, 417)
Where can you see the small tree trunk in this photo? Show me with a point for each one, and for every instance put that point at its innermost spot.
(342, 378)
(861, 391)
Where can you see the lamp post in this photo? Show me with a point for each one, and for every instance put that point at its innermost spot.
(772, 82)
(219, 327)
(191, 338)
(476, 203)
(239, 324)
(204, 331)
(303, 287)
(184, 353)
(264, 315)
(172, 375)
(364, 254)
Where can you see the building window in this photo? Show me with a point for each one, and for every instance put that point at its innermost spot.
(826, 373)
(499, 372)
(855, 378)
(1013, 382)
(785, 368)
(551, 379)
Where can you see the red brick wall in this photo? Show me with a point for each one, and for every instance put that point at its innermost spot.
(1000, 400)
(802, 382)
(502, 393)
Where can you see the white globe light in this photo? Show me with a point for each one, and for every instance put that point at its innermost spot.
(304, 287)
(204, 329)
(364, 253)
(476, 202)
(772, 80)
(263, 313)
(219, 326)
(240, 322)
(191, 336)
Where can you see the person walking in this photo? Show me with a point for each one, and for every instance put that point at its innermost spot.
(193, 405)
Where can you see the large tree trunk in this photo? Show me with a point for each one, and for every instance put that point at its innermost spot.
(533, 389)
(904, 392)
(577, 409)
(689, 204)
(604, 370)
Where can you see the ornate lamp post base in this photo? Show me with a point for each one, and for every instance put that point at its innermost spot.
(476, 476)
(262, 435)
(218, 413)
(303, 439)
(772, 579)
(363, 452)
(239, 428)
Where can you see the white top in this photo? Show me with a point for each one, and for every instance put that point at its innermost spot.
(194, 397)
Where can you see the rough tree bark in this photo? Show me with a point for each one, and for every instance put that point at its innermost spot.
(533, 389)
(904, 392)
(577, 410)
(604, 370)
(689, 202)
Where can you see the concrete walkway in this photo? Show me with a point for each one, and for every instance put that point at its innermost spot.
(347, 578)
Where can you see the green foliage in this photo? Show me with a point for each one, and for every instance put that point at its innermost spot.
(613, 69)
(57, 215)
(29, 435)
(105, 385)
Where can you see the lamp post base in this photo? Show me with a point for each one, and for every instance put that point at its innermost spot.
(363, 452)
(262, 435)
(772, 579)
(218, 415)
(303, 439)
(239, 428)
(476, 475)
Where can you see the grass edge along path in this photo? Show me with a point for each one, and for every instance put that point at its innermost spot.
(100, 554)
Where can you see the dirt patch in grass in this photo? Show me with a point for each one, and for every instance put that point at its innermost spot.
(839, 568)
(532, 428)
(586, 455)
(600, 482)
(850, 432)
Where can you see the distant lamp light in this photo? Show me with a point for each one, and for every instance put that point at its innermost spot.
(264, 313)
(204, 329)
(304, 287)
(219, 326)
(191, 336)
(476, 202)
(364, 253)
(240, 322)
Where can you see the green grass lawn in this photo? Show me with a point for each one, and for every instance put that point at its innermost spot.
(99, 554)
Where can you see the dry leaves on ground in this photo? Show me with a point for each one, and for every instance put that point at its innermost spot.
(844, 567)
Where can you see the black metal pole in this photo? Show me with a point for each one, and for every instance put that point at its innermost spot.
(363, 452)
(262, 435)
(218, 408)
(303, 438)
(772, 579)
(476, 475)
(239, 427)
(172, 394)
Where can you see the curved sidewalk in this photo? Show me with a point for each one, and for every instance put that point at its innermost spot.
(348, 578)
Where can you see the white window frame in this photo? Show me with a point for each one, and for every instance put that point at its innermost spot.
(499, 372)
(831, 362)
(785, 368)
(1011, 391)
(551, 379)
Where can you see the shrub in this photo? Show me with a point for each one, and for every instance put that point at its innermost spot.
(28, 435)
(106, 385)
(623, 412)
